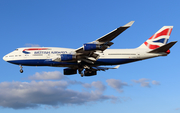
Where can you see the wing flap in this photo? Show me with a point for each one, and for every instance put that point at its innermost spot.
(105, 68)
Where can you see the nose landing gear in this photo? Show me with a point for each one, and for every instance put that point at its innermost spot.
(21, 70)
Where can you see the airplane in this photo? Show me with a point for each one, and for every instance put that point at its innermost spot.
(89, 58)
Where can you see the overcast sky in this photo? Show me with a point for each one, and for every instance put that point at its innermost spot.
(149, 86)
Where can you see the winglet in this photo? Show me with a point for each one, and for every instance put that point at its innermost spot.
(129, 24)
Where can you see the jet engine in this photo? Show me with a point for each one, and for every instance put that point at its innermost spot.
(69, 71)
(67, 57)
(89, 47)
(88, 72)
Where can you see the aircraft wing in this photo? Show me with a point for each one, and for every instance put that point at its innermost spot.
(108, 37)
(113, 34)
(87, 53)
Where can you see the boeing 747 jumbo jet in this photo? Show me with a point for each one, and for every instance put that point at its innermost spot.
(88, 58)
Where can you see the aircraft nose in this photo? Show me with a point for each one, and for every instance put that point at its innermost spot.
(5, 58)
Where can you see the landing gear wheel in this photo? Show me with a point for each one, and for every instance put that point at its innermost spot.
(21, 71)
(82, 74)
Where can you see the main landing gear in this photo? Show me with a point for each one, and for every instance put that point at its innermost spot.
(82, 74)
(21, 70)
(80, 70)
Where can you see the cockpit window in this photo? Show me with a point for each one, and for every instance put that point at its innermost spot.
(16, 50)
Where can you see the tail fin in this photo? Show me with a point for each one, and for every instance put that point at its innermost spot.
(159, 39)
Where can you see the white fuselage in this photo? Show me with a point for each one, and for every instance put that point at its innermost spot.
(43, 56)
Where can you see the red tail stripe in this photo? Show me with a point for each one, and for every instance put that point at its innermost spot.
(164, 32)
(146, 43)
(150, 46)
(153, 46)
(151, 37)
(170, 31)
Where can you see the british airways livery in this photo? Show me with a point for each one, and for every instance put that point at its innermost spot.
(87, 59)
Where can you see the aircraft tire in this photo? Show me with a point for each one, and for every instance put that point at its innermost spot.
(21, 71)
(82, 74)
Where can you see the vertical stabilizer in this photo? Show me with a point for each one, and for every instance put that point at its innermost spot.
(159, 39)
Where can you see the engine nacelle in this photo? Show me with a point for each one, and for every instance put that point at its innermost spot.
(67, 57)
(69, 71)
(89, 47)
(90, 73)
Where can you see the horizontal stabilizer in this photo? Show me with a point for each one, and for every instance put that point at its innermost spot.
(163, 48)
